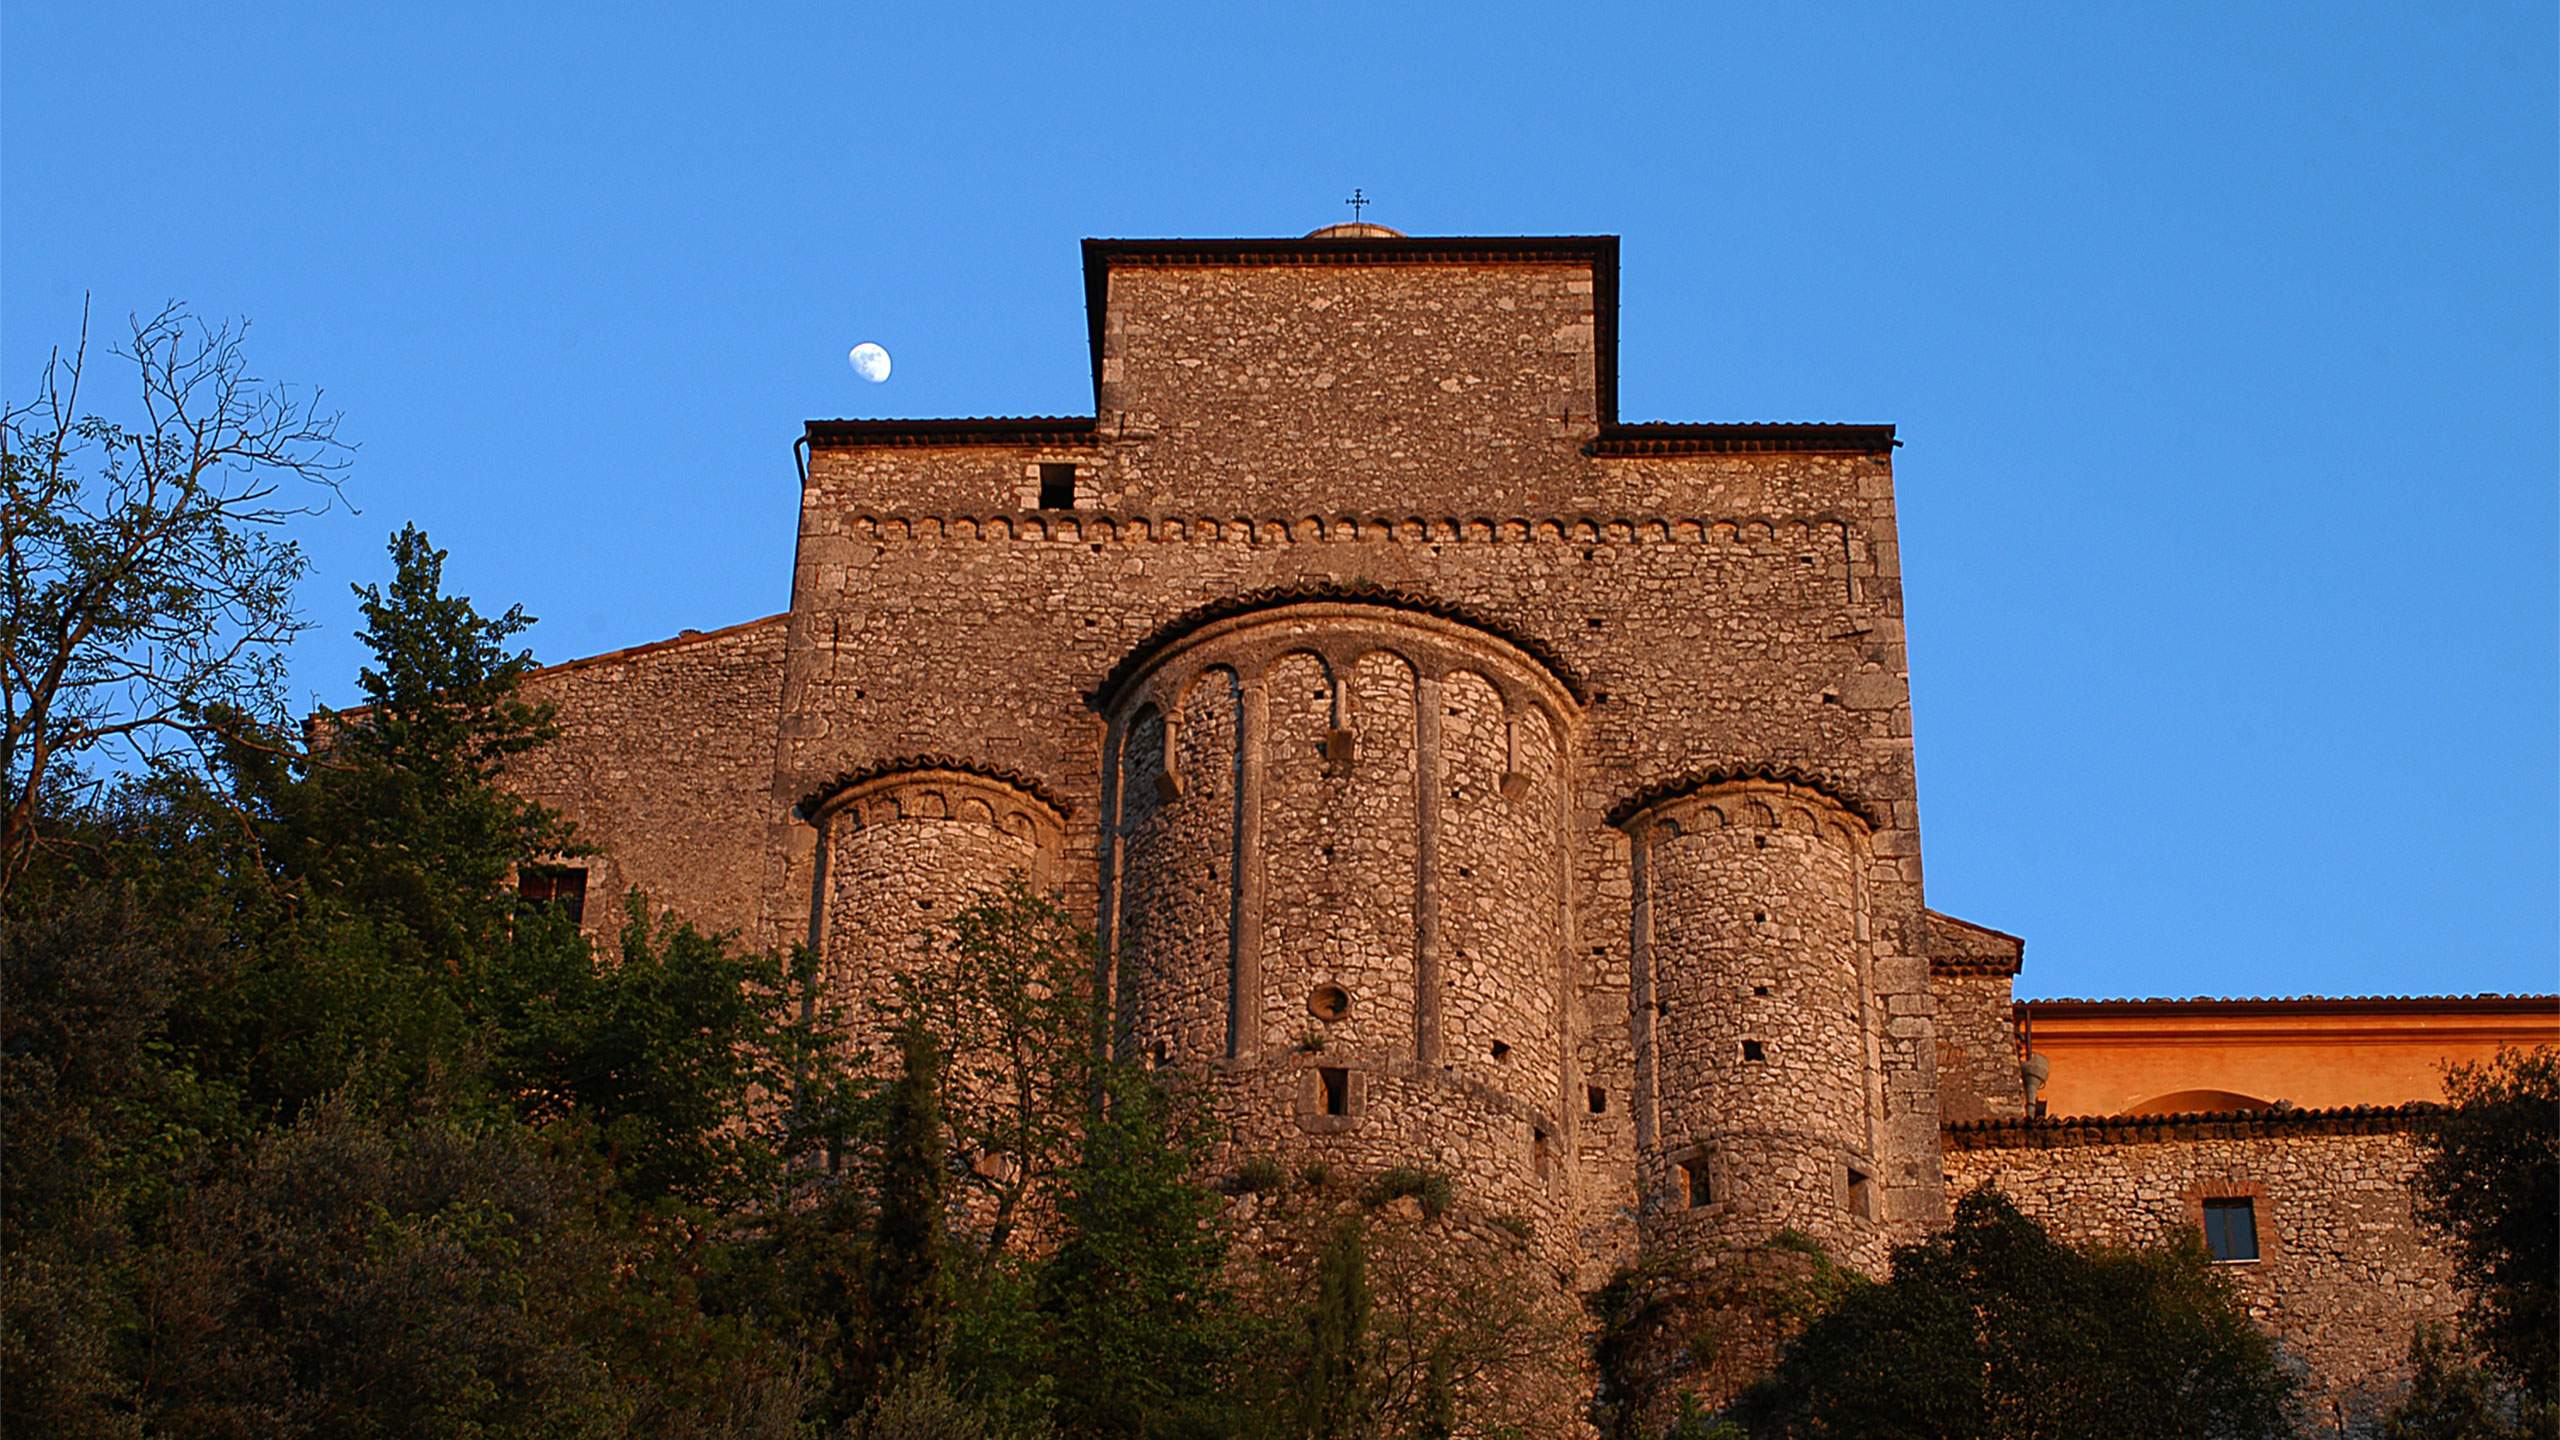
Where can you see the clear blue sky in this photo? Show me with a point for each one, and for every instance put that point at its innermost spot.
(2222, 340)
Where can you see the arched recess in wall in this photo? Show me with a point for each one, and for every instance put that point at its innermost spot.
(904, 847)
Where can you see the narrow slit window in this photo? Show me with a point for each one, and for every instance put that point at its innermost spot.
(1057, 487)
(563, 886)
(2231, 1229)
(1337, 1089)
(1599, 1100)
(1538, 1151)
(1695, 1189)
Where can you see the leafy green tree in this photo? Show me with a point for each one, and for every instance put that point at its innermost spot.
(1135, 1294)
(2489, 1180)
(1995, 1330)
(1009, 998)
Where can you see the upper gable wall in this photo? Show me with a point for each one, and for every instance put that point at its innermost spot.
(1262, 388)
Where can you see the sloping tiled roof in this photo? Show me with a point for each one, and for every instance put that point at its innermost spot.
(965, 430)
(2049, 1132)
(2295, 1005)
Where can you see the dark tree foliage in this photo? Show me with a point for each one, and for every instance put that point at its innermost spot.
(2452, 1396)
(311, 1133)
(1995, 1330)
(2490, 1181)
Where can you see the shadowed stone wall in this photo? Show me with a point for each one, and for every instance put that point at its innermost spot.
(2345, 1274)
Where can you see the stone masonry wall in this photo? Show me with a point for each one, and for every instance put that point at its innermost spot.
(1699, 645)
(665, 762)
(1312, 389)
(2345, 1273)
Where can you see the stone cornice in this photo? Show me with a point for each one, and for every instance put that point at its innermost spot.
(1653, 795)
(1167, 637)
(819, 797)
(1584, 528)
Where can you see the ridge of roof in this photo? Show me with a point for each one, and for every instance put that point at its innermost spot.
(631, 652)
(2239, 1004)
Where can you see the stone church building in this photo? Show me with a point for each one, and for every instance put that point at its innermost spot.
(1459, 775)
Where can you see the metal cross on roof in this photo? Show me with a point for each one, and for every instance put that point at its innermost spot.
(1357, 201)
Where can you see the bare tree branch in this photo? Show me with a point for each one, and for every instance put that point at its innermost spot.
(145, 589)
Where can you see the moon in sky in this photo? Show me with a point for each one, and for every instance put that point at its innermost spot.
(870, 362)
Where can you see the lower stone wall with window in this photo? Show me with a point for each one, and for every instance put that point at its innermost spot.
(2344, 1273)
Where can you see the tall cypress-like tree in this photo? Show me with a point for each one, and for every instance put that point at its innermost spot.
(907, 1254)
(1332, 1399)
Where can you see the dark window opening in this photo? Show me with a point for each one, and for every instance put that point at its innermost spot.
(1754, 1050)
(1057, 487)
(1538, 1151)
(562, 885)
(1599, 1100)
(1694, 1188)
(2231, 1229)
(1861, 1198)
(1337, 1089)
(1501, 1051)
(1329, 1002)
(1163, 1054)
(1759, 989)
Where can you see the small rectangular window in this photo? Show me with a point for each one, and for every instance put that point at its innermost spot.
(1694, 1187)
(2231, 1229)
(1538, 1151)
(1861, 1196)
(1057, 487)
(1599, 1100)
(562, 885)
(1754, 1050)
(1337, 1089)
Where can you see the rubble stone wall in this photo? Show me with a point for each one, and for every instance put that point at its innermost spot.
(665, 764)
(2345, 1275)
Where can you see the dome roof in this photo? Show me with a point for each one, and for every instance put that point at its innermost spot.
(1359, 231)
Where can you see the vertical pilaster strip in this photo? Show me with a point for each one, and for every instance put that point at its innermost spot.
(1244, 919)
(1426, 870)
(1106, 960)
(1640, 1012)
